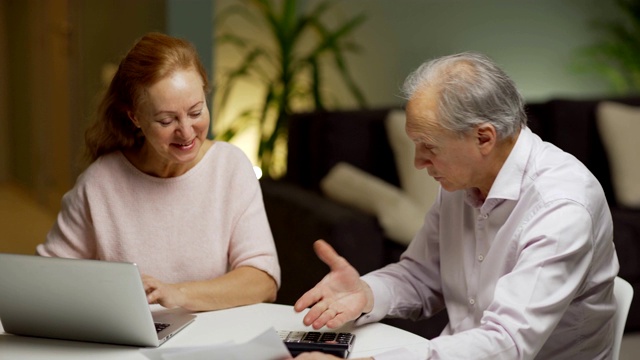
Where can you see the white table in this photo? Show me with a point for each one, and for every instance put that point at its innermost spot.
(238, 325)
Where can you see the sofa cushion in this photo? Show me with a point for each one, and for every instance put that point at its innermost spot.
(417, 184)
(619, 125)
(399, 216)
(298, 217)
(319, 140)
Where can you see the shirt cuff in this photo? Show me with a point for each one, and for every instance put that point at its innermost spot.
(381, 301)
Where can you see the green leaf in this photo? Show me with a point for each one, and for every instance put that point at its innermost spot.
(242, 71)
(289, 69)
(616, 56)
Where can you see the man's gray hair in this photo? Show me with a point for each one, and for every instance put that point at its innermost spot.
(472, 90)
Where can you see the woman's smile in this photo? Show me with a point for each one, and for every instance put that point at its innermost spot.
(185, 146)
(174, 120)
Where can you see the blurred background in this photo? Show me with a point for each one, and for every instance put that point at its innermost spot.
(57, 55)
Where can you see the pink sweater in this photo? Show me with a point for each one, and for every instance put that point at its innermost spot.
(196, 226)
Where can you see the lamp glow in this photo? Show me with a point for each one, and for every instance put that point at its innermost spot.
(258, 171)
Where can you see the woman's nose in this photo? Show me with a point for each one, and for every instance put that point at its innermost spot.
(185, 128)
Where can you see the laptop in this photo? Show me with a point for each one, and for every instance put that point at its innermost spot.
(82, 300)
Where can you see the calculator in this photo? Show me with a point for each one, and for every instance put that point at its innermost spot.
(335, 343)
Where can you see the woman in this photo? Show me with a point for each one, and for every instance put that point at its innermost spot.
(186, 209)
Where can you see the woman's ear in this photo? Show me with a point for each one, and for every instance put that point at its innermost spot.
(486, 136)
(133, 119)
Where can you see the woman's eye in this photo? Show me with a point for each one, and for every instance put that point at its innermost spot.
(195, 114)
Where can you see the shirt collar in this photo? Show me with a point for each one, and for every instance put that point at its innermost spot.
(509, 180)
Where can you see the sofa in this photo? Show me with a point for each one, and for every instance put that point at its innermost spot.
(300, 209)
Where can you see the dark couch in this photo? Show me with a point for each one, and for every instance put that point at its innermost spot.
(299, 213)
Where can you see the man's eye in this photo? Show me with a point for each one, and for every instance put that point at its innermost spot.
(430, 148)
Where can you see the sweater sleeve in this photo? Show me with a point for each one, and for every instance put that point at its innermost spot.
(251, 242)
(72, 234)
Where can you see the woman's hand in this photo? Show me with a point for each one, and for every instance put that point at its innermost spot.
(241, 286)
(158, 292)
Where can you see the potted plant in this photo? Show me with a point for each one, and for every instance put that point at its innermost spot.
(288, 67)
(617, 55)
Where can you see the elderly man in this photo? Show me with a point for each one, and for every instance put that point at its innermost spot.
(517, 247)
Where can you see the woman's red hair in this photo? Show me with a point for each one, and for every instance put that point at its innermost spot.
(152, 58)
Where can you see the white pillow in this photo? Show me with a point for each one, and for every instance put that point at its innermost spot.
(619, 126)
(417, 184)
(399, 216)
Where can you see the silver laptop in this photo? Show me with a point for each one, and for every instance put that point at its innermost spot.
(84, 300)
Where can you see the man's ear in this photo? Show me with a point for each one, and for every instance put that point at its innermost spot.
(487, 137)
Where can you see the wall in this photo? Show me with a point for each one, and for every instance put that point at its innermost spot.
(4, 94)
(193, 20)
(53, 68)
(37, 97)
(535, 41)
(54, 60)
(107, 30)
(17, 129)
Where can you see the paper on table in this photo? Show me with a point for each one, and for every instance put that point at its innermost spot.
(266, 346)
(158, 354)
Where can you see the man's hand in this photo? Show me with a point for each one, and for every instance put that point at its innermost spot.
(339, 297)
(167, 295)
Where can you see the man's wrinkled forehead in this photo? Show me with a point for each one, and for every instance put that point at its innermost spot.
(422, 111)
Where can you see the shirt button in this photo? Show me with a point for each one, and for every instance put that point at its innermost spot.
(480, 258)
(472, 301)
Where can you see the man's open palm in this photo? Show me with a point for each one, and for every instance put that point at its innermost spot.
(339, 297)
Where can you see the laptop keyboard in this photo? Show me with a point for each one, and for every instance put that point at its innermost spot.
(161, 326)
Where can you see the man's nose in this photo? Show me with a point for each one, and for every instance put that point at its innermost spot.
(420, 163)
(421, 159)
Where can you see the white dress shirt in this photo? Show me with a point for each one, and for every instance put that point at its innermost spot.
(526, 274)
